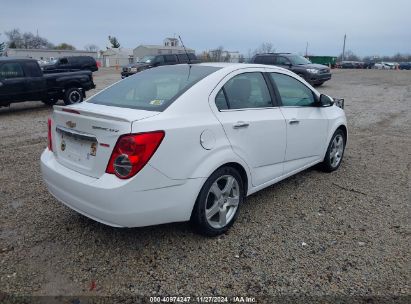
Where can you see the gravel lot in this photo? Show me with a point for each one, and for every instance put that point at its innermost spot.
(314, 234)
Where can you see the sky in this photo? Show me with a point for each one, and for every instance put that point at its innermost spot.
(378, 27)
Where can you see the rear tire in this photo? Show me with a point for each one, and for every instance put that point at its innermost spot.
(218, 203)
(73, 96)
(335, 152)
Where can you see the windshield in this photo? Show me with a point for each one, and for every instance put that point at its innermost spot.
(154, 89)
(147, 59)
(298, 60)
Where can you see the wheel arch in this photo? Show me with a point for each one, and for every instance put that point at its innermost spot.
(218, 160)
(72, 84)
(338, 125)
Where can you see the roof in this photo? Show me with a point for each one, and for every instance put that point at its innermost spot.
(267, 54)
(236, 66)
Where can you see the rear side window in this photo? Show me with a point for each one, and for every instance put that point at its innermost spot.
(265, 59)
(221, 101)
(182, 58)
(153, 89)
(293, 93)
(32, 69)
(248, 90)
(11, 70)
(170, 58)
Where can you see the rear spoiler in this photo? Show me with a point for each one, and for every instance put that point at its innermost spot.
(75, 111)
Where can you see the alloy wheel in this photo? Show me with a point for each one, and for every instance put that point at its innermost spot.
(337, 150)
(222, 201)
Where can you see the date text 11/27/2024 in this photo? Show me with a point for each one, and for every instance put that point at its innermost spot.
(201, 299)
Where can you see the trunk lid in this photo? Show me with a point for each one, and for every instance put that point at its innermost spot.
(84, 135)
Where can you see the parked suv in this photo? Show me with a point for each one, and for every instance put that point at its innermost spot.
(315, 74)
(71, 63)
(151, 61)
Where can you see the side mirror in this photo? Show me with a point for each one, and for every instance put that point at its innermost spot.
(325, 101)
(1, 84)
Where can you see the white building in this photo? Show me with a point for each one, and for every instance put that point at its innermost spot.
(170, 46)
(114, 57)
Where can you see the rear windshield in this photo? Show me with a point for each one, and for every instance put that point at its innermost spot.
(153, 89)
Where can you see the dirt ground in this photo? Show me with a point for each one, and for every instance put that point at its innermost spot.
(342, 234)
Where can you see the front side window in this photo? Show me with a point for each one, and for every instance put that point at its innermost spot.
(147, 59)
(282, 60)
(248, 90)
(293, 93)
(63, 61)
(153, 89)
(299, 60)
(11, 70)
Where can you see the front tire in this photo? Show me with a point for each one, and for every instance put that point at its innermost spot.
(335, 152)
(72, 96)
(218, 202)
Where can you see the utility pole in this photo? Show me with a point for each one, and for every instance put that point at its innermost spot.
(343, 52)
(306, 50)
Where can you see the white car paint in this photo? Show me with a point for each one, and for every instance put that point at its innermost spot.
(198, 140)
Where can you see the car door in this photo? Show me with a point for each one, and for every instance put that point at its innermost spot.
(252, 122)
(13, 84)
(307, 123)
(35, 82)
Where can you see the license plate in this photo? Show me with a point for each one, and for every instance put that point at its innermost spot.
(77, 147)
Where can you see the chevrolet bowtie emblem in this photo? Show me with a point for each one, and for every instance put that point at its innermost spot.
(70, 124)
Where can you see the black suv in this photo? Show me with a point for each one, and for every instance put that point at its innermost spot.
(315, 74)
(71, 63)
(148, 62)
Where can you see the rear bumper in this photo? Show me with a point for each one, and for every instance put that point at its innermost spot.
(120, 203)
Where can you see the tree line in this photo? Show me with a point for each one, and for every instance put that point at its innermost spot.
(27, 40)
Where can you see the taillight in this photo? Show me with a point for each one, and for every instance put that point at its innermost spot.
(132, 152)
(49, 139)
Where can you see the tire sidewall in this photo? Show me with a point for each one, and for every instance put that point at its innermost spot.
(327, 162)
(67, 94)
(198, 216)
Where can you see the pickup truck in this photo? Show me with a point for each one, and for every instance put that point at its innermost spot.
(23, 80)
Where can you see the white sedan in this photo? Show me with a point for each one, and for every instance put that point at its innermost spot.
(189, 142)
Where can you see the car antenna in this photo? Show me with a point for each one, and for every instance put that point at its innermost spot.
(188, 57)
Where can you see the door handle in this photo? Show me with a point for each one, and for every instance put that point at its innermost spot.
(293, 121)
(240, 124)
